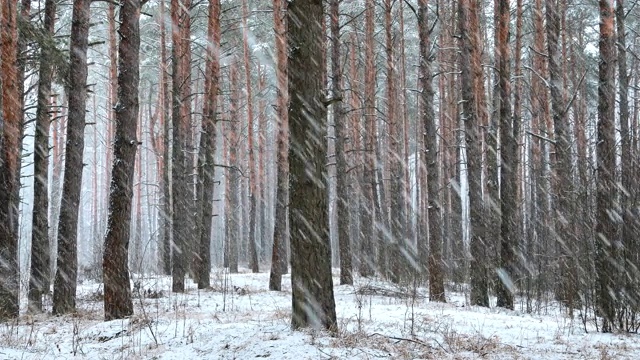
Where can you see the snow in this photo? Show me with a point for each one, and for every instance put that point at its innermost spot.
(241, 319)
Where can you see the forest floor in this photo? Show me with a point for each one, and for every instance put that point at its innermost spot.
(239, 318)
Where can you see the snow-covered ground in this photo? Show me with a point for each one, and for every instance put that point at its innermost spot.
(241, 319)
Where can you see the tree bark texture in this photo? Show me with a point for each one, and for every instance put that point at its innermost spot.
(181, 118)
(340, 120)
(471, 73)
(40, 258)
(208, 144)
(606, 227)
(65, 281)
(117, 289)
(434, 264)
(10, 145)
(313, 303)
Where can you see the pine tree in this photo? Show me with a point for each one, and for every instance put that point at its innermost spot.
(65, 281)
(312, 284)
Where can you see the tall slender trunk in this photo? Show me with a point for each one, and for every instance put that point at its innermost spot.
(233, 212)
(39, 276)
(166, 158)
(564, 186)
(508, 163)
(398, 247)
(261, 179)
(340, 120)
(369, 237)
(65, 282)
(10, 144)
(112, 99)
(606, 226)
(517, 119)
(181, 114)
(358, 206)
(280, 240)
(434, 263)
(629, 183)
(117, 289)
(253, 198)
(471, 75)
(540, 206)
(208, 144)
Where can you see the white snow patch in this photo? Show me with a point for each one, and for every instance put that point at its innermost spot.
(241, 319)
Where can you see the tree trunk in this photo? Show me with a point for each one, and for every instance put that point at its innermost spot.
(208, 144)
(605, 256)
(279, 252)
(253, 198)
(398, 248)
(369, 239)
(181, 191)
(564, 189)
(10, 120)
(629, 183)
(340, 120)
(434, 264)
(233, 220)
(508, 163)
(167, 210)
(39, 277)
(471, 74)
(312, 285)
(117, 290)
(65, 282)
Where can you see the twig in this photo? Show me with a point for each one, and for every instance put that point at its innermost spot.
(403, 339)
(542, 137)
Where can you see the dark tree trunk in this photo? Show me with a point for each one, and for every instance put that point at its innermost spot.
(312, 284)
(181, 117)
(279, 252)
(10, 145)
(605, 256)
(65, 282)
(117, 289)
(434, 264)
(508, 163)
(40, 273)
(208, 144)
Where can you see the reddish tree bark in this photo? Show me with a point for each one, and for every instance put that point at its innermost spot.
(10, 120)
(471, 75)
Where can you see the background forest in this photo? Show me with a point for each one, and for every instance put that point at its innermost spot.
(476, 146)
